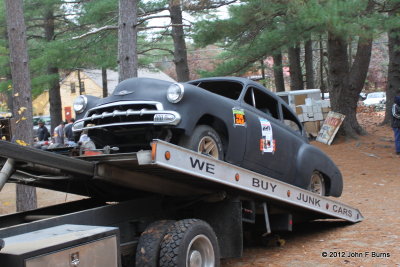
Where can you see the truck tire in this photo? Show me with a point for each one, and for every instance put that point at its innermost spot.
(317, 184)
(190, 243)
(204, 140)
(148, 249)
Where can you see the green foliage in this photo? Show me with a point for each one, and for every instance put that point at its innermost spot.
(258, 28)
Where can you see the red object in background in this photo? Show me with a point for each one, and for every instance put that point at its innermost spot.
(68, 113)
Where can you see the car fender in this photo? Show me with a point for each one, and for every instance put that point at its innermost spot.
(310, 159)
(216, 107)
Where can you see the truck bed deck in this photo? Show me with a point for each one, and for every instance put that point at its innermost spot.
(166, 169)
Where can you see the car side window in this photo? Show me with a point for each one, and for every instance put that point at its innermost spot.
(290, 120)
(262, 101)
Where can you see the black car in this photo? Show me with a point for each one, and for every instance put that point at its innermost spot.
(232, 119)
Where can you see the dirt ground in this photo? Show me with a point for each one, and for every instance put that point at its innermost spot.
(371, 172)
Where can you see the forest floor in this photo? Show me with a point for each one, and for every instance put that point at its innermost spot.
(371, 172)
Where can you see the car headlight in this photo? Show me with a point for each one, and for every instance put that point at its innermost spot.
(175, 92)
(80, 103)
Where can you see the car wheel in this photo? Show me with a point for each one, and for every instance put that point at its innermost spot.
(204, 140)
(190, 243)
(317, 184)
(148, 249)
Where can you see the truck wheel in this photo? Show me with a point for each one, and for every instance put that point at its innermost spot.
(204, 140)
(190, 243)
(317, 184)
(148, 249)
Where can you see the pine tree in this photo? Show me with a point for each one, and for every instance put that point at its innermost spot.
(22, 105)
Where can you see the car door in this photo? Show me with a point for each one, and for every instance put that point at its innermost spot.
(269, 148)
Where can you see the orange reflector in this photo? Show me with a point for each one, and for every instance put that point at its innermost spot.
(167, 155)
(288, 193)
(92, 153)
(237, 177)
(153, 150)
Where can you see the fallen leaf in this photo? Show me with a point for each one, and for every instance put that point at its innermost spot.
(16, 94)
(21, 142)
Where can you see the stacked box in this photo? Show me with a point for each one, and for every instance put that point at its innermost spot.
(312, 127)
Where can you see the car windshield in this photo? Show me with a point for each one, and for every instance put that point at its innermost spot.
(227, 89)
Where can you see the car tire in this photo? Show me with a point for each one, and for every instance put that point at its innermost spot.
(148, 249)
(204, 140)
(190, 242)
(317, 184)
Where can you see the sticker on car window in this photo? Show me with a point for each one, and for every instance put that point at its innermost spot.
(267, 142)
(239, 118)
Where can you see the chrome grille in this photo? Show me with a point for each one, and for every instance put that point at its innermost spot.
(122, 112)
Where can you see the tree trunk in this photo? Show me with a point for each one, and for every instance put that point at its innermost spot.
(308, 61)
(321, 67)
(104, 80)
(296, 76)
(55, 98)
(127, 39)
(80, 83)
(346, 82)
(278, 73)
(178, 36)
(22, 101)
(54, 90)
(393, 84)
(262, 65)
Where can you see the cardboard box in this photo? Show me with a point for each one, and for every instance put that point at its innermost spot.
(326, 109)
(317, 109)
(309, 116)
(325, 103)
(318, 116)
(300, 99)
(312, 127)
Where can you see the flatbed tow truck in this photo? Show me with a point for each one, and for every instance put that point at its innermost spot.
(167, 206)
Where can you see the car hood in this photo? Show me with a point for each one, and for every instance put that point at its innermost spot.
(145, 89)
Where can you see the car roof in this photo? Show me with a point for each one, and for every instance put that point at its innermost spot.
(245, 82)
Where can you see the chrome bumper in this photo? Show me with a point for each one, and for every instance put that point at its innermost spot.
(160, 117)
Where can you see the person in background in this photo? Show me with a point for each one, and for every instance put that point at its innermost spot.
(68, 130)
(396, 121)
(59, 134)
(42, 132)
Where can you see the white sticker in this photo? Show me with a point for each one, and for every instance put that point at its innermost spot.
(267, 142)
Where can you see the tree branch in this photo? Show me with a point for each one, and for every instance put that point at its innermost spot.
(157, 48)
(96, 30)
(164, 27)
(141, 21)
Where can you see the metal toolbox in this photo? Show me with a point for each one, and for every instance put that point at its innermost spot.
(63, 246)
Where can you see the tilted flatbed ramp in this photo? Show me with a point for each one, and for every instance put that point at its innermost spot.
(172, 170)
(182, 161)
